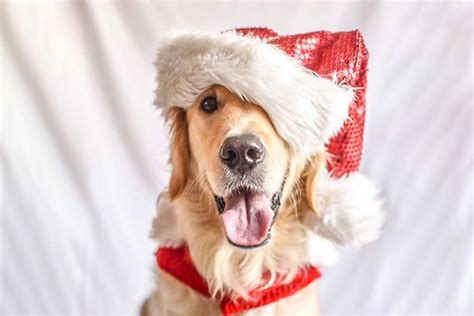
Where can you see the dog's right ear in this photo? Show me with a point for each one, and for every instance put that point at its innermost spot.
(179, 151)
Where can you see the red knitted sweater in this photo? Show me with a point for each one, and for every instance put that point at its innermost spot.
(178, 263)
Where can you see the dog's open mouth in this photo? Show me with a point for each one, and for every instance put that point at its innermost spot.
(248, 216)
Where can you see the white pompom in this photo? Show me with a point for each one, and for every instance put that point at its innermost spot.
(350, 210)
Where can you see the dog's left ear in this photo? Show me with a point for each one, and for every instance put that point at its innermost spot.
(179, 151)
(311, 174)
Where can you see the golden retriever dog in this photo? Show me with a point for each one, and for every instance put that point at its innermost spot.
(249, 205)
(224, 148)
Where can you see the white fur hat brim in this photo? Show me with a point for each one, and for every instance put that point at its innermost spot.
(305, 109)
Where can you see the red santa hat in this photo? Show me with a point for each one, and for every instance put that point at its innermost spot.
(313, 88)
(309, 84)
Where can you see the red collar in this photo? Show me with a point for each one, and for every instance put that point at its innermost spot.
(178, 263)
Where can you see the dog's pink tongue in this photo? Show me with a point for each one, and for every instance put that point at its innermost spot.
(247, 218)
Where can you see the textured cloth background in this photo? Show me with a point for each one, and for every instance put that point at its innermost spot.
(83, 152)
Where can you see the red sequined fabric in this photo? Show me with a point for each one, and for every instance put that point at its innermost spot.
(342, 57)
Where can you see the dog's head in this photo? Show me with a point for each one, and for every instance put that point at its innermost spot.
(231, 150)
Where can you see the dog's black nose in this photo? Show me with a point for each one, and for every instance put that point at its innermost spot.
(242, 152)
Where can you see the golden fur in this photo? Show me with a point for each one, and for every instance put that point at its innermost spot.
(196, 139)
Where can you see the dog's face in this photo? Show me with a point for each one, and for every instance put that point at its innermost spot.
(239, 158)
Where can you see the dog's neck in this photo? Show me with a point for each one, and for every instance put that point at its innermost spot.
(227, 269)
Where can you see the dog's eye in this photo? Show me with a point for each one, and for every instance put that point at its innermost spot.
(209, 104)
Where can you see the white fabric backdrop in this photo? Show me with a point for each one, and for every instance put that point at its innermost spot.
(84, 152)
